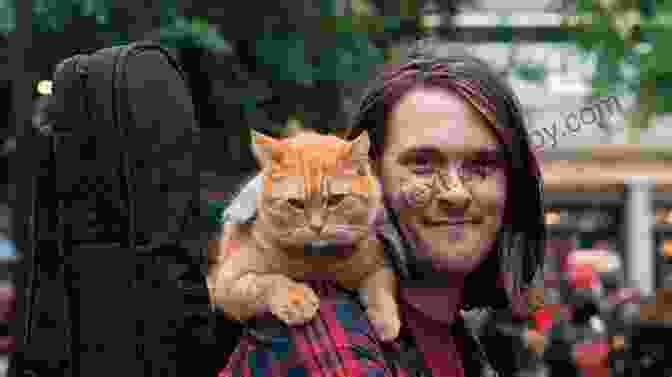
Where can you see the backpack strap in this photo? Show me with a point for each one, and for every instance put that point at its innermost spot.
(120, 118)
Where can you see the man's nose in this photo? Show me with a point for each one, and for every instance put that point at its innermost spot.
(451, 191)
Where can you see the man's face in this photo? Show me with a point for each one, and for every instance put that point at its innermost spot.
(442, 168)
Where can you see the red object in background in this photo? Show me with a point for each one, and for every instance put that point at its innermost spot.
(582, 276)
(7, 313)
(6, 344)
(7, 303)
(592, 358)
(216, 195)
(543, 319)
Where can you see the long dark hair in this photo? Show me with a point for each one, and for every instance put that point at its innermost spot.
(520, 244)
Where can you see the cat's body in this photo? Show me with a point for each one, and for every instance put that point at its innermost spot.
(313, 222)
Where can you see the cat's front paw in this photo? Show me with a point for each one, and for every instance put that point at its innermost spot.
(386, 326)
(294, 303)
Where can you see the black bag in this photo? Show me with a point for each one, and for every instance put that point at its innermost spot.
(117, 281)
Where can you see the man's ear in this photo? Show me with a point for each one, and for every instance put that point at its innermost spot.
(264, 148)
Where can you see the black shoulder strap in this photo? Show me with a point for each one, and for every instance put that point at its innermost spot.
(410, 357)
(120, 95)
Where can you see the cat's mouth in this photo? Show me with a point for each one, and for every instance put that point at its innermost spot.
(327, 248)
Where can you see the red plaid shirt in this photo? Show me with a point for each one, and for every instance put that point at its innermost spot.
(339, 342)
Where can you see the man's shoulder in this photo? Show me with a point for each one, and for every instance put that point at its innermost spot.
(339, 337)
(340, 310)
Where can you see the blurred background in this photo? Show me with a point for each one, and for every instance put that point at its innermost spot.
(592, 76)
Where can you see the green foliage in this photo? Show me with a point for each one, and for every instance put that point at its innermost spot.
(664, 93)
(610, 76)
(195, 32)
(175, 31)
(54, 15)
(348, 59)
(621, 66)
(655, 65)
(647, 8)
(7, 16)
(285, 53)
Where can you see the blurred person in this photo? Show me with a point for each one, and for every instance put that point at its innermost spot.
(462, 224)
(591, 340)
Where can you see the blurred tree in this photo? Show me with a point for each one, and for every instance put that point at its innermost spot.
(302, 47)
(66, 27)
(313, 53)
(625, 36)
(118, 21)
(298, 58)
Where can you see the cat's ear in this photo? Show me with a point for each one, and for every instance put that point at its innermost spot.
(264, 148)
(359, 148)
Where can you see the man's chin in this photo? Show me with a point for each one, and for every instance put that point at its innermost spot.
(463, 260)
(445, 233)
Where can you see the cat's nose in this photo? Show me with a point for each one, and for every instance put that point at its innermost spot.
(316, 224)
(317, 228)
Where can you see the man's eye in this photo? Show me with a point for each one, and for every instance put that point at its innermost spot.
(482, 168)
(422, 161)
(421, 165)
(335, 200)
(296, 203)
(422, 170)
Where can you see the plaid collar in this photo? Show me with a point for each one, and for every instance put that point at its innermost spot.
(340, 343)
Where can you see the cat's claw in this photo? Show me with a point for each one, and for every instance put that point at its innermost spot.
(387, 327)
(295, 304)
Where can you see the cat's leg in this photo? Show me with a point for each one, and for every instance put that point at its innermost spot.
(379, 293)
(241, 286)
(253, 294)
(293, 302)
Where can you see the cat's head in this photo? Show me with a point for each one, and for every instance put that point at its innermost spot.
(315, 188)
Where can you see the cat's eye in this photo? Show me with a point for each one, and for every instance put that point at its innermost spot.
(335, 200)
(296, 203)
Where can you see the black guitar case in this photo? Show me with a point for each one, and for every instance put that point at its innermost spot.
(116, 284)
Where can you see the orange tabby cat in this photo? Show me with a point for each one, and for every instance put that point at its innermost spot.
(313, 216)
